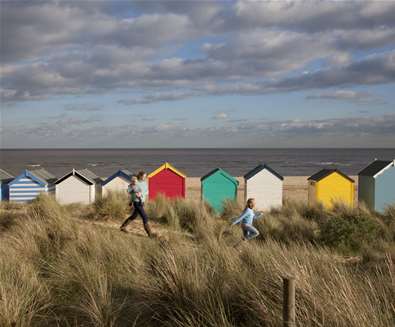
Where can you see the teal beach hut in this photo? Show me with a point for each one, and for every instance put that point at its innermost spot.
(5, 178)
(218, 186)
(376, 185)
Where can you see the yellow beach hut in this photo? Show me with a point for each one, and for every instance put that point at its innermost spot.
(330, 186)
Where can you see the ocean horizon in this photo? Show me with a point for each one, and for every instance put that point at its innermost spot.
(195, 162)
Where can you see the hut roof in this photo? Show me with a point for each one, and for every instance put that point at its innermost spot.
(78, 174)
(223, 173)
(90, 175)
(123, 173)
(5, 176)
(375, 167)
(43, 174)
(326, 172)
(31, 175)
(259, 168)
(166, 165)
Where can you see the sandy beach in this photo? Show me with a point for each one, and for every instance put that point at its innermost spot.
(295, 188)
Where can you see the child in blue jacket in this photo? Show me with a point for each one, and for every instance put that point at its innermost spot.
(246, 219)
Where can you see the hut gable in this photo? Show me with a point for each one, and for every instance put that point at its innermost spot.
(264, 185)
(258, 169)
(166, 180)
(322, 174)
(122, 173)
(78, 175)
(117, 182)
(375, 168)
(217, 187)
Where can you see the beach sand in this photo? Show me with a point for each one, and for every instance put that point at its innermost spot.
(295, 188)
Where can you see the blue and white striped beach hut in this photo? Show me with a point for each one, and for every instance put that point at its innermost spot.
(5, 178)
(28, 185)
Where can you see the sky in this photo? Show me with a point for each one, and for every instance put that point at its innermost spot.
(163, 74)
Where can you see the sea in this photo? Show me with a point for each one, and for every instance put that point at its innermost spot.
(193, 162)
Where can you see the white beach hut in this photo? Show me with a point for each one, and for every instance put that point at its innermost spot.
(117, 182)
(28, 185)
(265, 185)
(77, 187)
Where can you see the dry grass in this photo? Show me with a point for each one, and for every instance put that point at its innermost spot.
(55, 271)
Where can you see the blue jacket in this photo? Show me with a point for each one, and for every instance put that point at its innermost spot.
(247, 217)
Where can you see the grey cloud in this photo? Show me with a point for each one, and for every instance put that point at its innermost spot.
(377, 69)
(160, 97)
(82, 108)
(79, 47)
(315, 15)
(351, 131)
(348, 96)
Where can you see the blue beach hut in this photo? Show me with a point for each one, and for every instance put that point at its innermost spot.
(29, 184)
(5, 178)
(376, 185)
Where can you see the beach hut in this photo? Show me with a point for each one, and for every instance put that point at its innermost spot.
(330, 186)
(76, 187)
(5, 178)
(376, 185)
(168, 181)
(265, 185)
(29, 184)
(117, 182)
(218, 186)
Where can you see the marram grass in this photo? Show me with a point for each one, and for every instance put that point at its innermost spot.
(57, 269)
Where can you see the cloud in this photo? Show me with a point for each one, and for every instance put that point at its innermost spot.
(347, 96)
(69, 132)
(57, 48)
(160, 97)
(221, 116)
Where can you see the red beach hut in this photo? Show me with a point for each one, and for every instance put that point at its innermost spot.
(168, 181)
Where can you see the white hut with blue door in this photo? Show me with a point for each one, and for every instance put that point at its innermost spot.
(76, 187)
(376, 185)
(265, 185)
(5, 178)
(117, 182)
(28, 185)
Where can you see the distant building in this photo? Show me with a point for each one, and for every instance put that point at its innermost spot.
(376, 185)
(265, 185)
(5, 178)
(28, 185)
(330, 186)
(117, 182)
(168, 181)
(218, 186)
